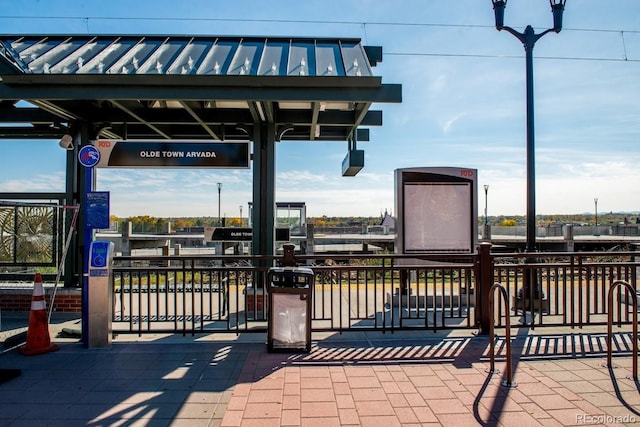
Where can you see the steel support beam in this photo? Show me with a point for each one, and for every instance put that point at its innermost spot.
(264, 165)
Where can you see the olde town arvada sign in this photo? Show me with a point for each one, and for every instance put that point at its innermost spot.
(172, 154)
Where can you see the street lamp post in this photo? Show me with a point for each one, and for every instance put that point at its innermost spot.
(219, 191)
(595, 200)
(241, 221)
(528, 39)
(485, 231)
(486, 193)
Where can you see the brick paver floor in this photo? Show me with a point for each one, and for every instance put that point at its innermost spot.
(316, 390)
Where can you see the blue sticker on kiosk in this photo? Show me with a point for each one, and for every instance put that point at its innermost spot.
(97, 209)
(89, 156)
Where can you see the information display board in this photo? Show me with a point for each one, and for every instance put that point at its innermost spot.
(436, 210)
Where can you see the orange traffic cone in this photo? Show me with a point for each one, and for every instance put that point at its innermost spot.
(38, 340)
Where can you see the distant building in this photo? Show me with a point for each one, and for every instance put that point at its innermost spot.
(388, 221)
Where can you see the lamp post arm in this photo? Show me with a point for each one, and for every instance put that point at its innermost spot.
(520, 36)
(539, 36)
(528, 38)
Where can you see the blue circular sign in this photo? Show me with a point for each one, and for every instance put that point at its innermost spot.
(89, 156)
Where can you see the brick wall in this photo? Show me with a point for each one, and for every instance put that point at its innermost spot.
(19, 299)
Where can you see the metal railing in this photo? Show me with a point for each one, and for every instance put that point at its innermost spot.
(571, 287)
(229, 294)
(201, 294)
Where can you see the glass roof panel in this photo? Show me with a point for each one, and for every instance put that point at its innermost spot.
(188, 55)
(29, 52)
(40, 57)
(329, 62)
(49, 62)
(219, 58)
(247, 58)
(112, 49)
(191, 57)
(274, 59)
(302, 59)
(355, 60)
(134, 57)
(74, 62)
(19, 44)
(162, 58)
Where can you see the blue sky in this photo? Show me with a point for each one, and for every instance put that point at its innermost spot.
(463, 103)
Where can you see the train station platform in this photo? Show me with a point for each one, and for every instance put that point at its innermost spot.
(560, 377)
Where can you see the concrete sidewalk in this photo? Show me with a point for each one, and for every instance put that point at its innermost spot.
(367, 379)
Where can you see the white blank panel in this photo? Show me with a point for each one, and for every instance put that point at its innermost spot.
(437, 217)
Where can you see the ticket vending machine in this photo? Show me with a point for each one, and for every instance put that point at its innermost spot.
(100, 294)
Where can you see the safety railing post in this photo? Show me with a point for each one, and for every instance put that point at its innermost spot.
(634, 347)
(492, 350)
(483, 281)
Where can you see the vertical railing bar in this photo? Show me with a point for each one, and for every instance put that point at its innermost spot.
(533, 273)
(434, 300)
(131, 306)
(139, 302)
(237, 298)
(572, 299)
(383, 277)
(451, 310)
(184, 297)
(564, 292)
(340, 304)
(580, 293)
(602, 288)
(547, 281)
(624, 275)
(148, 298)
(619, 298)
(159, 278)
(167, 295)
(175, 300)
(500, 315)
(595, 286)
(375, 297)
(350, 291)
(392, 275)
(205, 280)
(363, 283)
(469, 283)
(556, 292)
(426, 298)
(593, 273)
(442, 300)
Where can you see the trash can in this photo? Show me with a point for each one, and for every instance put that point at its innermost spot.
(289, 326)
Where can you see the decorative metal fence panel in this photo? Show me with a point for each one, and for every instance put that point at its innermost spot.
(28, 235)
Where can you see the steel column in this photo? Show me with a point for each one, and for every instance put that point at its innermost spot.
(264, 165)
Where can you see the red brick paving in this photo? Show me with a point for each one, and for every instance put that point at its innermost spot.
(274, 391)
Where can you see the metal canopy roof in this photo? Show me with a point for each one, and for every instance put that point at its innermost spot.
(179, 87)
